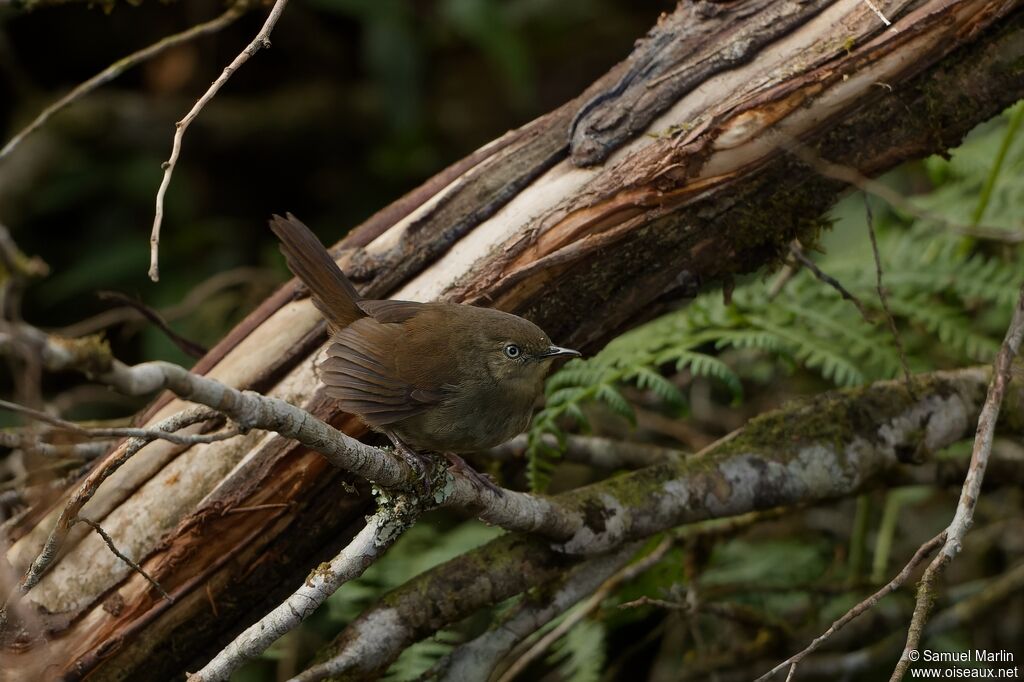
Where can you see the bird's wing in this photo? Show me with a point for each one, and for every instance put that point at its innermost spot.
(360, 372)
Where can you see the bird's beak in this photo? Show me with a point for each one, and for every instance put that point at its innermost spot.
(559, 352)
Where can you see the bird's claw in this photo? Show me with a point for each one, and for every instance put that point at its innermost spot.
(420, 464)
(479, 481)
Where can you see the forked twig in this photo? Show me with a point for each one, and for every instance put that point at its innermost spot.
(120, 66)
(261, 40)
(971, 491)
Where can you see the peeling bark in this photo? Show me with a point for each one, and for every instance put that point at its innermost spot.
(691, 187)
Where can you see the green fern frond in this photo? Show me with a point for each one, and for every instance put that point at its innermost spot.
(579, 656)
(932, 286)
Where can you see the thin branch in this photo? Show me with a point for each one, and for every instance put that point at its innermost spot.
(854, 177)
(113, 548)
(70, 514)
(187, 346)
(797, 252)
(964, 515)
(120, 432)
(22, 441)
(923, 552)
(885, 300)
(108, 74)
(848, 664)
(379, 533)
(262, 40)
(196, 297)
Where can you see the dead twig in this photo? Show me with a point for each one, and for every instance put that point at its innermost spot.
(113, 548)
(261, 40)
(964, 515)
(23, 441)
(923, 552)
(885, 301)
(797, 252)
(108, 74)
(119, 432)
(187, 346)
(69, 515)
(854, 177)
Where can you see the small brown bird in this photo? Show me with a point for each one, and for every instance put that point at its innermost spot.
(439, 377)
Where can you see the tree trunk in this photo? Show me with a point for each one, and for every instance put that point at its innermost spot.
(665, 174)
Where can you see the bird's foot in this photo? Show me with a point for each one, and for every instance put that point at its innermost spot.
(480, 481)
(419, 463)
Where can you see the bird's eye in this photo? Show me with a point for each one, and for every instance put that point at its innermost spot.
(512, 351)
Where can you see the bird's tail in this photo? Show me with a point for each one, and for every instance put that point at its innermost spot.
(332, 293)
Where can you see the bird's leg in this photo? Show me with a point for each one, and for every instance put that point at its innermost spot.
(419, 463)
(479, 481)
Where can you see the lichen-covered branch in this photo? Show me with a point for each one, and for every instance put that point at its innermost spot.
(826, 448)
(379, 533)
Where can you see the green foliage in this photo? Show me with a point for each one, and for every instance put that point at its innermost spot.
(783, 563)
(579, 655)
(420, 657)
(949, 298)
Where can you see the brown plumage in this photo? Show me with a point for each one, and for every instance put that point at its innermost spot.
(442, 377)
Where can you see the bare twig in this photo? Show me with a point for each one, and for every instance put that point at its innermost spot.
(964, 515)
(379, 533)
(195, 297)
(262, 40)
(88, 450)
(69, 515)
(737, 613)
(923, 552)
(113, 548)
(853, 177)
(883, 299)
(108, 74)
(797, 252)
(186, 345)
(119, 432)
(848, 664)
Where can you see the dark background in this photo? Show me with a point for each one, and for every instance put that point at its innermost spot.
(356, 103)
